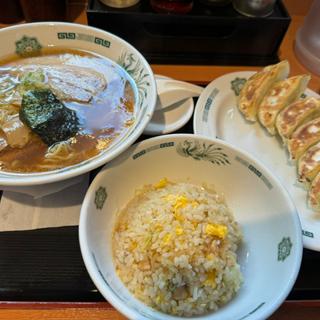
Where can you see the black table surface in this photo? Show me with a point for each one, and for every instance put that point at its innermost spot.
(46, 265)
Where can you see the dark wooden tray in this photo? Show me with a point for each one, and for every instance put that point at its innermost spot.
(46, 265)
(219, 36)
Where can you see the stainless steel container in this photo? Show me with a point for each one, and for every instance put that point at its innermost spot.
(254, 8)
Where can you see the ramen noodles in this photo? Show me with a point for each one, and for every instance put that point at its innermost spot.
(61, 108)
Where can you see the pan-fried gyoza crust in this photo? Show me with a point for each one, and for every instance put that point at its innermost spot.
(314, 193)
(304, 137)
(295, 114)
(281, 94)
(257, 86)
(309, 164)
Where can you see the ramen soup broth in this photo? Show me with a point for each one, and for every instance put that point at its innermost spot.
(100, 92)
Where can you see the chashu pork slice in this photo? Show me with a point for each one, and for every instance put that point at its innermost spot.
(280, 95)
(17, 134)
(295, 114)
(73, 83)
(257, 86)
(70, 82)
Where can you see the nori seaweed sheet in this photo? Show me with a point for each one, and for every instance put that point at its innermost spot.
(44, 114)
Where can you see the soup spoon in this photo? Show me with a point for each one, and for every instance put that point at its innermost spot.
(176, 110)
(172, 91)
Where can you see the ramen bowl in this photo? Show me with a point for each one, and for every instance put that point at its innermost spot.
(30, 41)
(269, 254)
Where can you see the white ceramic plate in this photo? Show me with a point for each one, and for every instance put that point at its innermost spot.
(216, 115)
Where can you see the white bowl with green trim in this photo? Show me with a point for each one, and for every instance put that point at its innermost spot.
(31, 38)
(270, 255)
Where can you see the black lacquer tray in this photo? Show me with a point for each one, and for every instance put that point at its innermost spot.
(206, 35)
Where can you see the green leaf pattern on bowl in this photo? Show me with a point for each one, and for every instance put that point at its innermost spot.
(237, 85)
(284, 248)
(135, 69)
(202, 151)
(100, 197)
(28, 46)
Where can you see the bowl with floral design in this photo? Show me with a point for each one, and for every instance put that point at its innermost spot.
(269, 254)
(78, 86)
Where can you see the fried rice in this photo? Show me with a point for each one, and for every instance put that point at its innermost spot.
(175, 248)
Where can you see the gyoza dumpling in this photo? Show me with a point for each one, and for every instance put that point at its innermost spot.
(257, 86)
(304, 137)
(295, 114)
(314, 193)
(309, 164)
(281, 94)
